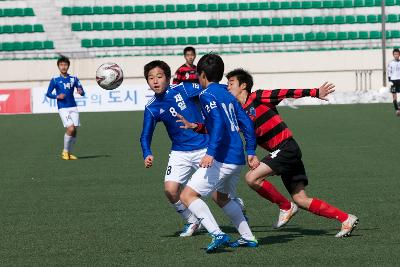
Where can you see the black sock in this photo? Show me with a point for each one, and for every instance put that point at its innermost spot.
(396, 105)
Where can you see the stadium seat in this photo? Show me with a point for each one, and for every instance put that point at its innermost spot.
(202, 40)
(107, 42)
(287, 21)
(244, 22)
(288, 37)
(28, 28)
(223, 7)
(202, 7)
(117, 10)
(235, 39)
(267, 38)
(309, 36)
(306, 4)
(358, 3)
(118, 26)
(254, 6)
(369, 3)
(77, 10)
(233, 6)
(27, 46)
(274, 5)
(214, 39)
(160, 8)
(331, 36)
(394, 34)
(276, 21)
(352, 35)
(190, 8)
(139, 25)
(86, 43)
(181, 24)
(375, 34)
(320, 36)
(170, 24)
(308, 20)
(97, 26)
(7, 29)
(128, 41)
(149, 41)
(329, 20)
(129, 10)
(342, 36)
(337, 4)
(107, 10)
(265, 21)
(86, 26)
(108, 26)
(224, 23)
(363, 35)
(159, 24)
(37, 45)
(298, 37)
(180, 8)
(212, 7)
(392, 18)
(319, 20)
(202, 23)
(234, 23)
(192, 24)
(372, 19)
(76, 26)
(298, 21)
(340, 20)
(66, 11)
(264, 5)
(159, 41)
(213, 23)
(18, 28)
(277, 37)
(348, 3)
(139, 41)
(38, 28)
(256, 38)
(181, 40)
(149, 25)
(48, 45)
(316, 4)
(128, 25)
(361, 19)
(327, 4)
(295, 5)
(98, 10)
(350, 19)
(171, 41)
(148, 9)
(139, 9)
(245, 38)
(192, 40)
(244, 6)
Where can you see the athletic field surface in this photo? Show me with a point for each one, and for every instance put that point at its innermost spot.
(106, 209)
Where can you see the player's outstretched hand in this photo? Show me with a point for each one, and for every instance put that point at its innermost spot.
(186, 124)
(206, 161)
(325, 90)
(253, 162)
(61, 96)
(148, 161)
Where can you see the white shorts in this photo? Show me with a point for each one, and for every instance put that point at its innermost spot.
(69, 116)
(182, 164)
(219, 177)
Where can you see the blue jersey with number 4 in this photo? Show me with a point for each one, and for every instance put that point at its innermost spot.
(64, 85)
(224, 117)
(177, 99)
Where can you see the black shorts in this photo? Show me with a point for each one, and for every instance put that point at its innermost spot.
(395, 88)
(286, 162)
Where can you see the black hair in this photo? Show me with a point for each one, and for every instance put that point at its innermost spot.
(396, 50)
(157, 63)
(188, 49)
(243, 77)
(213, 67)
(63, 59)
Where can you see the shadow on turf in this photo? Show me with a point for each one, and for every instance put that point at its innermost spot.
(94, 156)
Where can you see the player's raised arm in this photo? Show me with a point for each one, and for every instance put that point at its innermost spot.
(50, 90)
(149, 124)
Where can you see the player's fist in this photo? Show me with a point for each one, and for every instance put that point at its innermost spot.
(253, 161)
(148, 161)
(325, 90)
(61, 96)
(206, 161)
(80, 91)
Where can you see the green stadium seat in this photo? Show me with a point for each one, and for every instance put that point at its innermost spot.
(19, 12)
(277, 37)
(117, 10)
(170, 24)
(118, 26)
(37, 45)
(98, 10)
(338, 4)
(306, 4)
(27, 46)
(223, 7)
(390, 2)
(128, 25)
(214, 39)
(86, 26)
(363, 35)
(224, 39)
(181, 24)
(170, 41)
(76, 26)
(28, 28)
(375, 35)
(9, 12)
(212, 23)
(87, 10)
(254, 6)
(339, 20)
(180, 8)
(107, 10)
(319, 20)
(159, 41)
(107, 42)
(48, 45)
(129, 10)
(288, 37)
(298, 21)
(159, 24)
(118, 42)
(255, 22)
(149, 25)
(274, 5)
(265, 21)
(361, 19)
(77, 10)
(244, 6)
(256, 38)
(327, 4)
(316, 4)
(342, 36)
(309, 36)
(139, 41)
(223, 23)
(202, 39)
(264, 5)
(348, 3)
(233, 7)
(287, 20)
(66, 11)
(372, 19)
(128, 41)
(352, 35)
(38, 28)
(245, 38)
(358, 3)
(181, 40)
(298, 37)
(86, 43)
(29, 12)
(18, 28)
(7, 29)
(234, 22)
(212, 7)
(192, 24)
(235, 39)
(160, 8)
(149, 41)
(148, 9)
(267, 38)
(308, 20)
(190, 8)
(18, 46)
(97, 26)
(392, 18)
(350, 19)
(394, 34)
(202, 7)
(139, 25)
(107, 26)
(320, 36)
(295, 5)
(244, 22)
(276, 21)
(139, 9)
(202, 23)
(329, 20)
(192, 40)
(331, 36)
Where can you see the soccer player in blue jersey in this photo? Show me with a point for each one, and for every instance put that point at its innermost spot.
(64, 86)
(224, 159)
(188, 147)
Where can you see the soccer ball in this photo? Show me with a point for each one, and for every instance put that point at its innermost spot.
(109, 76)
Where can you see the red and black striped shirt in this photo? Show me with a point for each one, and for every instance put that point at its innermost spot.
(269, 127)
(186, 74)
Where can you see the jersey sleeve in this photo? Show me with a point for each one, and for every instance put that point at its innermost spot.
(214, 121)
(192, 89)
(78, 85)
(277, 95)
(247, 127)
(52, 86)
(149, 124)
(389, 71)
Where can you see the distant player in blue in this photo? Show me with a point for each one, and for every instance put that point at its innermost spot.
(188, 147)
(64, 85)
(224, 159)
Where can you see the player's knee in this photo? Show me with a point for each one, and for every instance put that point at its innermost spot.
(251, 179)
(172, 195)
(301, 201)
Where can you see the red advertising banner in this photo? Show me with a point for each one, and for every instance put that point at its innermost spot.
(14, 101)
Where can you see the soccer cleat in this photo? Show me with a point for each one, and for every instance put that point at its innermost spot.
(72, 157)
(286, 215)
(67, 156)
(217, 242)
(242, 242)
(348, 226)
(189, 229)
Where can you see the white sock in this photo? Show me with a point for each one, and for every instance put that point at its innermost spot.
(234, 212)
(200, 209)
(184, 212)
(67, 142)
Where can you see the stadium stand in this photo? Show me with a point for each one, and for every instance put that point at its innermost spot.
(102, 27)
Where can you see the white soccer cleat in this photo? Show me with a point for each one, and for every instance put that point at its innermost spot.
(189, 229)
(286, 215)
(348, 226)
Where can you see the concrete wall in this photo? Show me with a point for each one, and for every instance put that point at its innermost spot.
(271, 70)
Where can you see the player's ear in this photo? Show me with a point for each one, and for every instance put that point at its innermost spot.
(243, 86)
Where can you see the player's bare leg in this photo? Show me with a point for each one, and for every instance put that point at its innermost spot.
(69, 141)
(172, 192)
(321, 208)
(396, 104)
(256, 179)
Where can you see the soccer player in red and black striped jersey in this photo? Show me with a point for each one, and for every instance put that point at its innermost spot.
(285, 155)
(187, 72)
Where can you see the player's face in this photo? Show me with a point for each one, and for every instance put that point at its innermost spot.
(233, 86)
(189, 57)
(396, 55)
(63, 67)
(157, 80)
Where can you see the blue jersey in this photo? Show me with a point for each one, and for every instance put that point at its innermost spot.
(179, 98)
(224, 116)
(64, 85)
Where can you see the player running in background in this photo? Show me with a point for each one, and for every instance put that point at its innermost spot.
(285, 155)
(187, 72)
(393, 73)
(224, 159)
(187, 147)
(64, 85)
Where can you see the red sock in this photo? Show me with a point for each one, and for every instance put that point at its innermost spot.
(321, 208)
(268, 191)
